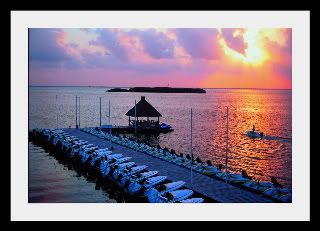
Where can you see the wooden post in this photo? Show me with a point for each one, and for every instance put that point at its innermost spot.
(227, 145)
(109, 112)
(76, 111)
(100, 112)
(109, 116)
(135, 115)
(79, 112)
(57, 108)
(191, 153)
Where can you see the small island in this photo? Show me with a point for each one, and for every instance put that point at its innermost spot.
(159, 90)
(117, 90)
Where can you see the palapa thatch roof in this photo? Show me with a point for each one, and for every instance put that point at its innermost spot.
(144, 109)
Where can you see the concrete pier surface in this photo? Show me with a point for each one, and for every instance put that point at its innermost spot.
(208, 186)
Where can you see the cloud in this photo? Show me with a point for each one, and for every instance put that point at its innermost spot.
(278, 43)
(279, 46)
(72, 45)
(199, 43)
(236, 43)
(109, 40)
(181, 57)
(284, 71)
(156, 44)
(140, 51)
(44, 46)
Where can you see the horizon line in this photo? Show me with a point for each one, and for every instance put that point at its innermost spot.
(252, 88)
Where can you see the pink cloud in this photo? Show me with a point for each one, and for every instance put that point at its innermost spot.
(179, 57)
(199, 43)
(45, 45)
(236, 43)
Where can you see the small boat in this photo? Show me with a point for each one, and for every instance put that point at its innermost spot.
(222, 175)
(105, 164)
(153, 194)
(193, 200)
(232, 178)
(253, 134)
(106, 167)
(175, 196)
(86, 147)
(135, 187)
(258, 186)
(271, 191)
(103, 151)
(165, 126)
(148, 174)
(137, 177)
(108, 160)
(122, 160)
(237, 179)
(127, 171)
(210, 170)
(85, 156)
(84, 153)
(97, 155)
(117, 169)
(113, 156)
(282, 194)
(286, 198)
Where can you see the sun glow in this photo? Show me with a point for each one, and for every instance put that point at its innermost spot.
(254, 54)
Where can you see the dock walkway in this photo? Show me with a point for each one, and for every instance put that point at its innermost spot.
(215, 189)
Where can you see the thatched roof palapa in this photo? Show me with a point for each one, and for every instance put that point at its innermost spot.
(144, 109)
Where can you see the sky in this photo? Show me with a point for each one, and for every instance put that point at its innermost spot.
(174, 57)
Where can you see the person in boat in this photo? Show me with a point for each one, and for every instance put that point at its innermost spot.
(253, 129)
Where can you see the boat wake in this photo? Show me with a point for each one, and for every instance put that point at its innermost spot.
(270, 137)
(277, 138)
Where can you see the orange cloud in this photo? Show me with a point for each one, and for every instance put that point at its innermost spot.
(265, 62)
(245, 76)
(254, 58)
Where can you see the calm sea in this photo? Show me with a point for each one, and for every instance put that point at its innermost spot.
(269, 110)
(51, 181)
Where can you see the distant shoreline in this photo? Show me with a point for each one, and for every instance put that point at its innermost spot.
(159, 90)
(218, 88)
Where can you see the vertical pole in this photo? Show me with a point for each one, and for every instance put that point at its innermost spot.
(227, 145)
(191, 146)
(109, 116)
(57, 108)
(135, 116)
(100, 111)
(109, 112)
(76, 111)
(79, 112)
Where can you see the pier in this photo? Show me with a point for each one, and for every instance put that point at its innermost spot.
(142, 109)
(208, 186)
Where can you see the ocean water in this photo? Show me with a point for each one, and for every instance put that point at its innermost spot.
(52, 182)
(269, 110)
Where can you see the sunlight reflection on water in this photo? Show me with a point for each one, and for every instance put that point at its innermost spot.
(269, 110)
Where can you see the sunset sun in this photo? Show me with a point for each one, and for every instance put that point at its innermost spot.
(254, 53)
